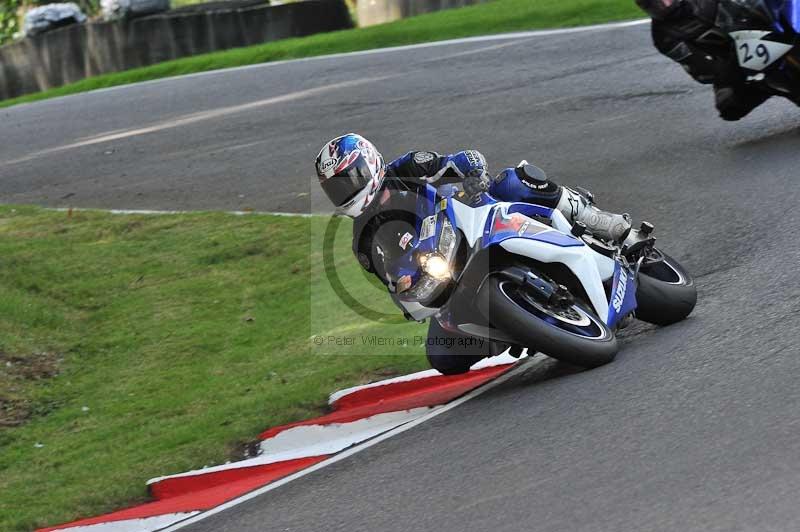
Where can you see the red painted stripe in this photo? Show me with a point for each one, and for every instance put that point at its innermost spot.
(446, 386)
(397, 397)
(213, 495)
(178, 486)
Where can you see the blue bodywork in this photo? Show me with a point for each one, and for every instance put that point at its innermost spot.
(790, 11)
(784, 11)
(515, 221)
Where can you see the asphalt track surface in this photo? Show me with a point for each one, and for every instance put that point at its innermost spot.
(694, 427)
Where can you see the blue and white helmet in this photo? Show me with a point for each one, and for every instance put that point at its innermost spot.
(351, 172)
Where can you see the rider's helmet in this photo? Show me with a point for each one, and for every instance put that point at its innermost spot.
(659, 9)
(351, 172)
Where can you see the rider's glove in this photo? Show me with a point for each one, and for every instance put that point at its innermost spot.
(476, 182)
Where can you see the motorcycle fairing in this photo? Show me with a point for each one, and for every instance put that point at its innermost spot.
(589, 267)
(429, 222)
(431, 211)
(581, 261)
(791, 13)
(763, 32)
(733, 15)
(519, 233)
(623, 294)
(757, 50)
(427, 213)
(782, 11)
(514, 221)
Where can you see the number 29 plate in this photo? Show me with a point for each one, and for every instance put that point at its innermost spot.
(755, 52)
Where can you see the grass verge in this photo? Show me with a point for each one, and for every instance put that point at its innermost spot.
(497, 16)
(140, 345)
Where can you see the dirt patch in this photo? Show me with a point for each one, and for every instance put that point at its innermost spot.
(13, 411)
(33, 367)
(15, 372)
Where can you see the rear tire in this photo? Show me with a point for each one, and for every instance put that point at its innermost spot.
(666, 293)
(498, 303)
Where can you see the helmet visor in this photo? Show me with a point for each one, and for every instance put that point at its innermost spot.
(343, 186)
(657, 9)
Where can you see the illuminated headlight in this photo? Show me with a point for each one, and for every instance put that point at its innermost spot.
(436, 266)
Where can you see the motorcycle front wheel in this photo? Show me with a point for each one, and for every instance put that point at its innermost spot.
(571, 334)
(451, 353)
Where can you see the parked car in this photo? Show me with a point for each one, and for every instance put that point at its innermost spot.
(51, 16)
(116, 9)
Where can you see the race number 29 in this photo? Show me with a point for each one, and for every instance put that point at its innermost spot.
(761, 51)
(755, 52)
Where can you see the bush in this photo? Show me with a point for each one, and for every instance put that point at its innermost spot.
(9, 22)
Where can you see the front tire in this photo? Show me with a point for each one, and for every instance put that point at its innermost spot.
(666, 293)
(451, 353)
(579, 337)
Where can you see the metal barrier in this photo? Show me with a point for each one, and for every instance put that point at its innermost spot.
(75, 52)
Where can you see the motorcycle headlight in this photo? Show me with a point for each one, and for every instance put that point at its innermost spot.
(436, 266)
(423, 290)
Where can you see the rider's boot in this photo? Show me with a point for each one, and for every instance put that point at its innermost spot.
(579, 207)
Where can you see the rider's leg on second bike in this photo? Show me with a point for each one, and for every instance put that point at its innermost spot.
(733, 97)
(736, 102)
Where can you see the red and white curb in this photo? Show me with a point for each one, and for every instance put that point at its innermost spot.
(362, 414)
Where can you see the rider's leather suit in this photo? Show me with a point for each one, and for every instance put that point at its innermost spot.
(708, 62)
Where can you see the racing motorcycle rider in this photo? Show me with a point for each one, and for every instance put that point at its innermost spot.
(676, 27)
(356, 179)
(381, 200)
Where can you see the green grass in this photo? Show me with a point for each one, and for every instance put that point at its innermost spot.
(137, 346)
(494, 17)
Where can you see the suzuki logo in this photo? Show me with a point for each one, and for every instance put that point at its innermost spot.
(619, 294)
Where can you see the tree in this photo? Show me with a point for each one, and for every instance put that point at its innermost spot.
(9, 20)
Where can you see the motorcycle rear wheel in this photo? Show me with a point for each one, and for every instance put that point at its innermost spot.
(666, 293)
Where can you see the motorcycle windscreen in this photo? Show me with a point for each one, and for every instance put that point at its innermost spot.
(734, 15)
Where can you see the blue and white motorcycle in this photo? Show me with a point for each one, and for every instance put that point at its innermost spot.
(765, 34)
(518, 275)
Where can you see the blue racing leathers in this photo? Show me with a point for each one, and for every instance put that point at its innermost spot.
(430, 167)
